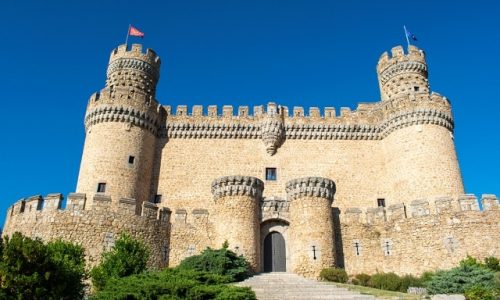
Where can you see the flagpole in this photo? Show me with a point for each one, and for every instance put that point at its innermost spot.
(406, 35)
(126, 39)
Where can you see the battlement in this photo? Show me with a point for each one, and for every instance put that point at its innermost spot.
(420, 208)
(76, 205)
(135, 52)
(398, 56)
(310, 187)
(237, 186)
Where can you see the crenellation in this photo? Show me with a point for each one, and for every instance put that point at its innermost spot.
(149, 210)
(445, 204)
(490, 202)
(76, 202)
(212, 111)
(330, 113)
(298, 112)
(353, 215)
(314, 113)
(53, 201)
(420, 208)
(468, 202)
(227, 111)
(396, 212)
(243, 112)
(127, 205)
(375, 215)
(181, 111)
(101, 202)
(33, 204)
(197, 111)
(258, 110)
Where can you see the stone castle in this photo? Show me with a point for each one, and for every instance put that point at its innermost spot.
(374, 189)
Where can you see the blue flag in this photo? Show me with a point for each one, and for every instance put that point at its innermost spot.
(410, 35)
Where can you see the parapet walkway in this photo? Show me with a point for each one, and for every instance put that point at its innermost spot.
(287, 286)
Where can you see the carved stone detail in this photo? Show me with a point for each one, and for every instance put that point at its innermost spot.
(310, 187)
(108, 113)
(272, 129)
(237, 186)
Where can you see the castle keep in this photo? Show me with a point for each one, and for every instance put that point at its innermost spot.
(374, 189)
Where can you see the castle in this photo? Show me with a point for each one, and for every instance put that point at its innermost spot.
(374, 189)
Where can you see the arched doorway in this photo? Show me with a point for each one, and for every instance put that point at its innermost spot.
(274, 253)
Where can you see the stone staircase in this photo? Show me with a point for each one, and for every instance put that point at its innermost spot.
(288, 286)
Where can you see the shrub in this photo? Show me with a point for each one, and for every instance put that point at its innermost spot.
(459, 279)
(492, 263)
(426, 277)
(30, 269)
(221, 261)
(334, 274)
(479, 292)
(363, 279)
(173, 284)
(409, 281)
(385, 281)
(127, 257)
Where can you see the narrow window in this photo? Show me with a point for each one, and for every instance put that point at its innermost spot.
(270, 173)
(357, 248)
(381, 202)
(416, 88)
(131, 159)
(157, 199)
(101, 187)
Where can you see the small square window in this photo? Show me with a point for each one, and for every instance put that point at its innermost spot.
(270, 173)
(101, 187)
(381, 202)
(157, 199)
(131, 159)
(416, 88)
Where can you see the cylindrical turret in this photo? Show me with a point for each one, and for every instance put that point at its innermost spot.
(311, 224)
(122, 122)
(237, 200)
(401, 75)
(420, 157)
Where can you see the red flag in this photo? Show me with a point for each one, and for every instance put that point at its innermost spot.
(135, 32)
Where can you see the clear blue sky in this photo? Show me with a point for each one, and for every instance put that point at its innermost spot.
(309, 53)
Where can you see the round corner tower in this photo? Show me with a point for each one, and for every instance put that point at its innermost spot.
(237, 199)
(402, 74)
(311, 225)
(122, 122)
(417, 131)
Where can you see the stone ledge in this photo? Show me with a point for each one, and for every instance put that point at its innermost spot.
(310, 187)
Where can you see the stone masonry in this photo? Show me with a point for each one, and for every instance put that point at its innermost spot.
(373, 189)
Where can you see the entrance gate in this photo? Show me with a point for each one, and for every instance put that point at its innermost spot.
(274, 253)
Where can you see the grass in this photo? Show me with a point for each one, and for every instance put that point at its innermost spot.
(380, 294)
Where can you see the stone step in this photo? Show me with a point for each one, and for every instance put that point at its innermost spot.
(289, 286)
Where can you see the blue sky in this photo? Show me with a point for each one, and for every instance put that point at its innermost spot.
(308, 53)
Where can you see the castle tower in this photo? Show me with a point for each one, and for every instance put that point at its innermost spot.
(311, 224)
(237, 200)
(402, 75)
(417, 131)
(122, 122)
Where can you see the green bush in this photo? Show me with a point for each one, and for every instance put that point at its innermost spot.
(459, 279)
(479, 292)
(492, 263)
(173, 284)
(221, 261)
(30, 269)
(334, 275)
(385, 281)
(127, 257)
(363, 279)
(409, 281)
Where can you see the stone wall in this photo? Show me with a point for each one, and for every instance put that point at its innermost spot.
(421, 236)
(95, 226)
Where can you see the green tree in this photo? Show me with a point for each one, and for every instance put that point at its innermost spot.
(29, 269)
(460, 279)
(127, 257)
(218, 261)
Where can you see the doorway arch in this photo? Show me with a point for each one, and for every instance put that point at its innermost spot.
(274, 253)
